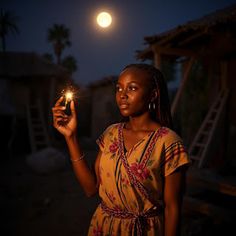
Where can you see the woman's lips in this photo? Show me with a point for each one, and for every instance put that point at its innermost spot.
(124, 105)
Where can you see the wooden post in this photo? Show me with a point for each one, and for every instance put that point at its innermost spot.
(182, 85)
(223, 74)
(157, 58)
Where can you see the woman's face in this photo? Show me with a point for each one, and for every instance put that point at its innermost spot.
(133, 92)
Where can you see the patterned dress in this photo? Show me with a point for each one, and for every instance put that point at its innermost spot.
(131, 187)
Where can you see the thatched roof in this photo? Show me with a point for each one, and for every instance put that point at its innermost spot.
(28, 65)
(188, 35)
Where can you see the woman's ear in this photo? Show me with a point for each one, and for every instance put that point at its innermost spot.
(154, 95)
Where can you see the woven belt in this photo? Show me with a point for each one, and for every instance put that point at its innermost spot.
(139, 220)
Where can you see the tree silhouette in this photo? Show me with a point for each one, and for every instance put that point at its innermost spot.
(70, 63)
(59, 36)
(8, 24)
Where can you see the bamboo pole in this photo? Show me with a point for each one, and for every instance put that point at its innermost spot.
(182, 85)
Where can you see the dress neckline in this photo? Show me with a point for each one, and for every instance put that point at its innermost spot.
(122, 140)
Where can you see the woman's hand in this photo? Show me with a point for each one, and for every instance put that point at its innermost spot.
(66, 125)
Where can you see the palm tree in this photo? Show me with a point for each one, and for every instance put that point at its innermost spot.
(7, 24)
(59, 35)
(70, 63)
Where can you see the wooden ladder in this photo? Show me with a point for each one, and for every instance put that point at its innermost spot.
(199, 147)
(38, 134)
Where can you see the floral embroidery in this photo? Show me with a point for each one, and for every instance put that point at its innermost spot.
(140, 171)
(114, 146)
(163, 131)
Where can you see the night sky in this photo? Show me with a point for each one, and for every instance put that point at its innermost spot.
(100, 52)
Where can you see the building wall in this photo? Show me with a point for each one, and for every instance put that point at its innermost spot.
(104, 109)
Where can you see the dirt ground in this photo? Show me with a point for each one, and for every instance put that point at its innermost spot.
(36, 205)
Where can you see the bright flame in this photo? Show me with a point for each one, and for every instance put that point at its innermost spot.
(104, 19)
(69, 96)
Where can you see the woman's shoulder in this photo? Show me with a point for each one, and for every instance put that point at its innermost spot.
(112, 127)
(169, 135)
(108, 135)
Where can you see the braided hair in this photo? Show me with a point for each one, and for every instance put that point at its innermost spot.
(161, 113)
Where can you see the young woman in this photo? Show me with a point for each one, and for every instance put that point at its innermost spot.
(140, 168)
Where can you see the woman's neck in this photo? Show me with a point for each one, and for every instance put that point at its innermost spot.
(142, 123)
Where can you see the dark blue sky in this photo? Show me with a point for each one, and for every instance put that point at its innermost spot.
(101, 53)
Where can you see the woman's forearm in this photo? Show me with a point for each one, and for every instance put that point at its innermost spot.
(172, 221)
(85, 176)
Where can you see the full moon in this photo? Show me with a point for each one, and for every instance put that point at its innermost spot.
(104, 19)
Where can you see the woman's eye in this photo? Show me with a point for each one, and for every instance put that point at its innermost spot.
(118, 89)
(132, 88)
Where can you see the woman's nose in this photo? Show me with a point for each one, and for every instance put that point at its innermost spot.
(123, 93)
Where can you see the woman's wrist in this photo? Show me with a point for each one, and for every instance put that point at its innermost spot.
(77, 159)
(73, 137)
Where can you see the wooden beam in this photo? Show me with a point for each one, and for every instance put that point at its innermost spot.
(224, 74)
(192, 37)
(173, 51)
(182, 85)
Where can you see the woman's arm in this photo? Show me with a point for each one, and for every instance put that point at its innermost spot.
(88, 179)
(174, 186)
(67, 126)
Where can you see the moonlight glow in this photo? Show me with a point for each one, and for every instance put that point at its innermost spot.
(104, 19)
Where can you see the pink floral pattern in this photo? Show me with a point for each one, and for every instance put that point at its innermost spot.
(140, 171)
(114, 146)
(163, 131)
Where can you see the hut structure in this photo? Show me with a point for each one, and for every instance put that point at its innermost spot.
(204, 104)
(103, 111)
(29, 87)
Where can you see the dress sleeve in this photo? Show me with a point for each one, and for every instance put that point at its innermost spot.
(103, 139)
(175, 154)
(100, 142)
